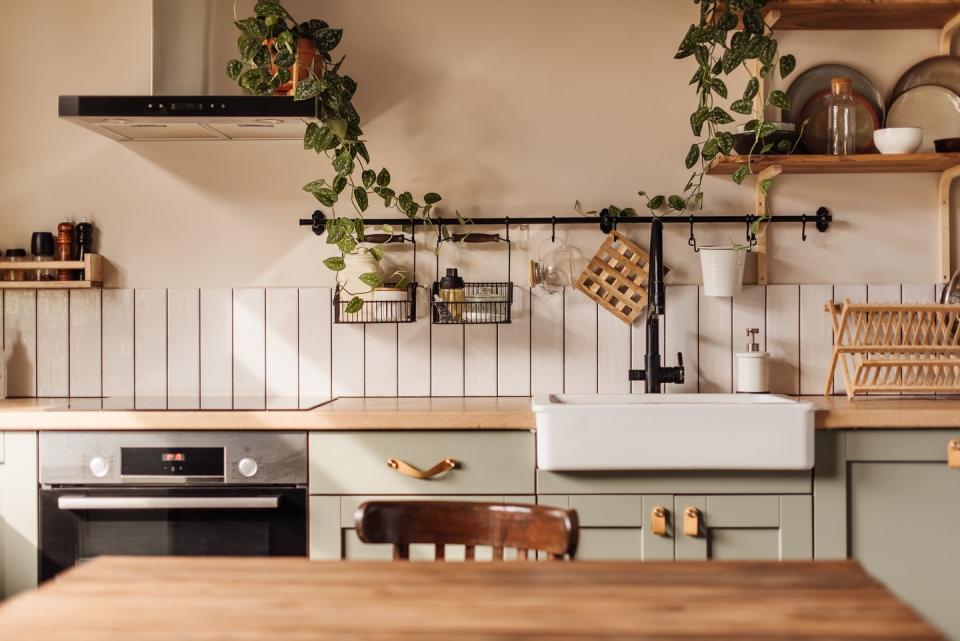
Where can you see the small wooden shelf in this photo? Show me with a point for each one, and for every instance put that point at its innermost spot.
(858, 164)
(92, 266)
(864, 14)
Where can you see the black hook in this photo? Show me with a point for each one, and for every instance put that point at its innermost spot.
(751, 237)
(803, 227)
(553, 229)
(692, 241)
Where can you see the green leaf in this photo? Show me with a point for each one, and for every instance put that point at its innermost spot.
(710, 149)
(311, 137)
(766, 129)
(753, 21)
(727, 22)
(405, 200)
(371, 279)
(743, 106)
(347, 244)
(719, 116)
(284, 59)
(753, 88)
(360, 196)
(338, 126)
(335, 263)
(252, 27)
(751, 125)
(326, 40)
(784, 146)
(377, 253)
(740, 174)
(326, 196)
(731, 60)
(362, 151)
(692, 156)
(234, 68)
(354, 306)
(787, 64)
(739, 42)
(284, 40)
(369, 177)
(358, 227)
(719, 86)
(315, 185)
(702, 54)
(766, 148)
(765, 185)
(383, 178)
(387, 229)
(779, 99)
(251, 79)
(676, 203)
(306, 89)
(270, 9)
(725, 142)
(697, 118)
(327, 140)
(339, 184)
(343, 163)
(431, 198)
(656, 202)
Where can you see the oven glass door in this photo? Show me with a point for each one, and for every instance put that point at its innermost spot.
(78, 524)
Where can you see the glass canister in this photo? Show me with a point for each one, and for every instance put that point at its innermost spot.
(42, 247)
(841, 118)
(453, 292)
(15, 256)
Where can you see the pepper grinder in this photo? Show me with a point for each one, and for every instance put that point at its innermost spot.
(65, 248)
(84, 233)
(753, 367)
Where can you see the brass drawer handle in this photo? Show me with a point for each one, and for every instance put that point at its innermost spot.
(691, 522)
(953, 453)
(403, 467)
(658, 516)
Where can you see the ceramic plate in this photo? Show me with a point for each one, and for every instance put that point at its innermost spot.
(815, 133)
(935, 109)
(943, 71)
(817, 79)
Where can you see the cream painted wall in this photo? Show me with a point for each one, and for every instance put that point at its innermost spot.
(504, 107)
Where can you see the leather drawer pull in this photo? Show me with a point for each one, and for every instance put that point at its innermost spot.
(403, 467)
(659, 518)
(691, 521)
(953, 453)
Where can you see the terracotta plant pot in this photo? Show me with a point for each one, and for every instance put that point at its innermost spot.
(307, 57)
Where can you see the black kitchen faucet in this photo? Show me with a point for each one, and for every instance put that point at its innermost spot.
(654, 374)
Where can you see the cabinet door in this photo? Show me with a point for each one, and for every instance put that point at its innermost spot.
(904, 520)
(333, 535)
(18, 512)
(619, 527)
(745, 527)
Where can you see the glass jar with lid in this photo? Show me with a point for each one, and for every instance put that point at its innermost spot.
(15, 256)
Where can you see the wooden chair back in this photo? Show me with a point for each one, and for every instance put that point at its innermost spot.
(526, 528)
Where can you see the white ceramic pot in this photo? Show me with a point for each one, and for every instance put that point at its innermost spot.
(349, 277)
(396, 306)
(722, 269)
(898, 140)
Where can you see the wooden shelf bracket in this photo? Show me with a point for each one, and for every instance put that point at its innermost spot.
(947, 33)
(946, 239)
(761, 210)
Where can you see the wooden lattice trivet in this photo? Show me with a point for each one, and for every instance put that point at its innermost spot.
(616, 277)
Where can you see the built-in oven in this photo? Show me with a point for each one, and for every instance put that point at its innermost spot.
(171, 493)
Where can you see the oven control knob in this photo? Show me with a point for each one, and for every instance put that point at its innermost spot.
(247, 467)
(99, 467)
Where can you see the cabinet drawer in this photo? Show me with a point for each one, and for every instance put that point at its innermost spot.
(356, 462)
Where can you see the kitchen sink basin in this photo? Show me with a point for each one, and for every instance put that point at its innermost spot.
(583, 432)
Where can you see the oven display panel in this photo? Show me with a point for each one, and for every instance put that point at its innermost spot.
(171, 461)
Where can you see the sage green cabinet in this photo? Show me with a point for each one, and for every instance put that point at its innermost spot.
(18, 512)
(888, 499)
(754, 527)
(333, 535)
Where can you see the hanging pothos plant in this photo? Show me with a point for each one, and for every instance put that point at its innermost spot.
(720, 47)
(273, 47)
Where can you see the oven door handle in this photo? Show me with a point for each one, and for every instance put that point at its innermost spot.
(168, 502)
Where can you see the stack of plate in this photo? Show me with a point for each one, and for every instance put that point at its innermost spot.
(928, 96)
(808, 99)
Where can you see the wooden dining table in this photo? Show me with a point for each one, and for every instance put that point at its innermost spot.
(247, 599)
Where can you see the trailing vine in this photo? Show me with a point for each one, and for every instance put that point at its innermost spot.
(720, 47)
(270, 52)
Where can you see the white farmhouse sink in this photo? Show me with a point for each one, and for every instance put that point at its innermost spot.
(581, 432)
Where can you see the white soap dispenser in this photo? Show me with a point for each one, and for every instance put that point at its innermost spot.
(753, 367)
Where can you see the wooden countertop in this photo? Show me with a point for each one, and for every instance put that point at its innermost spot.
(467, 413)
(248, 599)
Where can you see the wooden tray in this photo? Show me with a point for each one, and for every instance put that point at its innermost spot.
(616, 277)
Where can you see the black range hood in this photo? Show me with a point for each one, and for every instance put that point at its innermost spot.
(153, 118)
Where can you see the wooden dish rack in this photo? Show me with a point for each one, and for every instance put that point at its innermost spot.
(92, 266)
(895, 348)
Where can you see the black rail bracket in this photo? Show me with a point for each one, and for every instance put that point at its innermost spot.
(824, 218)
(317, 222)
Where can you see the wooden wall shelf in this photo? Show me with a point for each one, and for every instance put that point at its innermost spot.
(864, 14)
(858, 164)
(92, 266)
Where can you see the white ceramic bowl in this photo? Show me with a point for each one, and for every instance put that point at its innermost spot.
(898, 140)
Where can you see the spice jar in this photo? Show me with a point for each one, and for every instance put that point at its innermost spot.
(15, 256)
(42, 247)
(452, 291)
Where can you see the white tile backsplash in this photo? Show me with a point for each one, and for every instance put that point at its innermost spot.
(278, 347)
